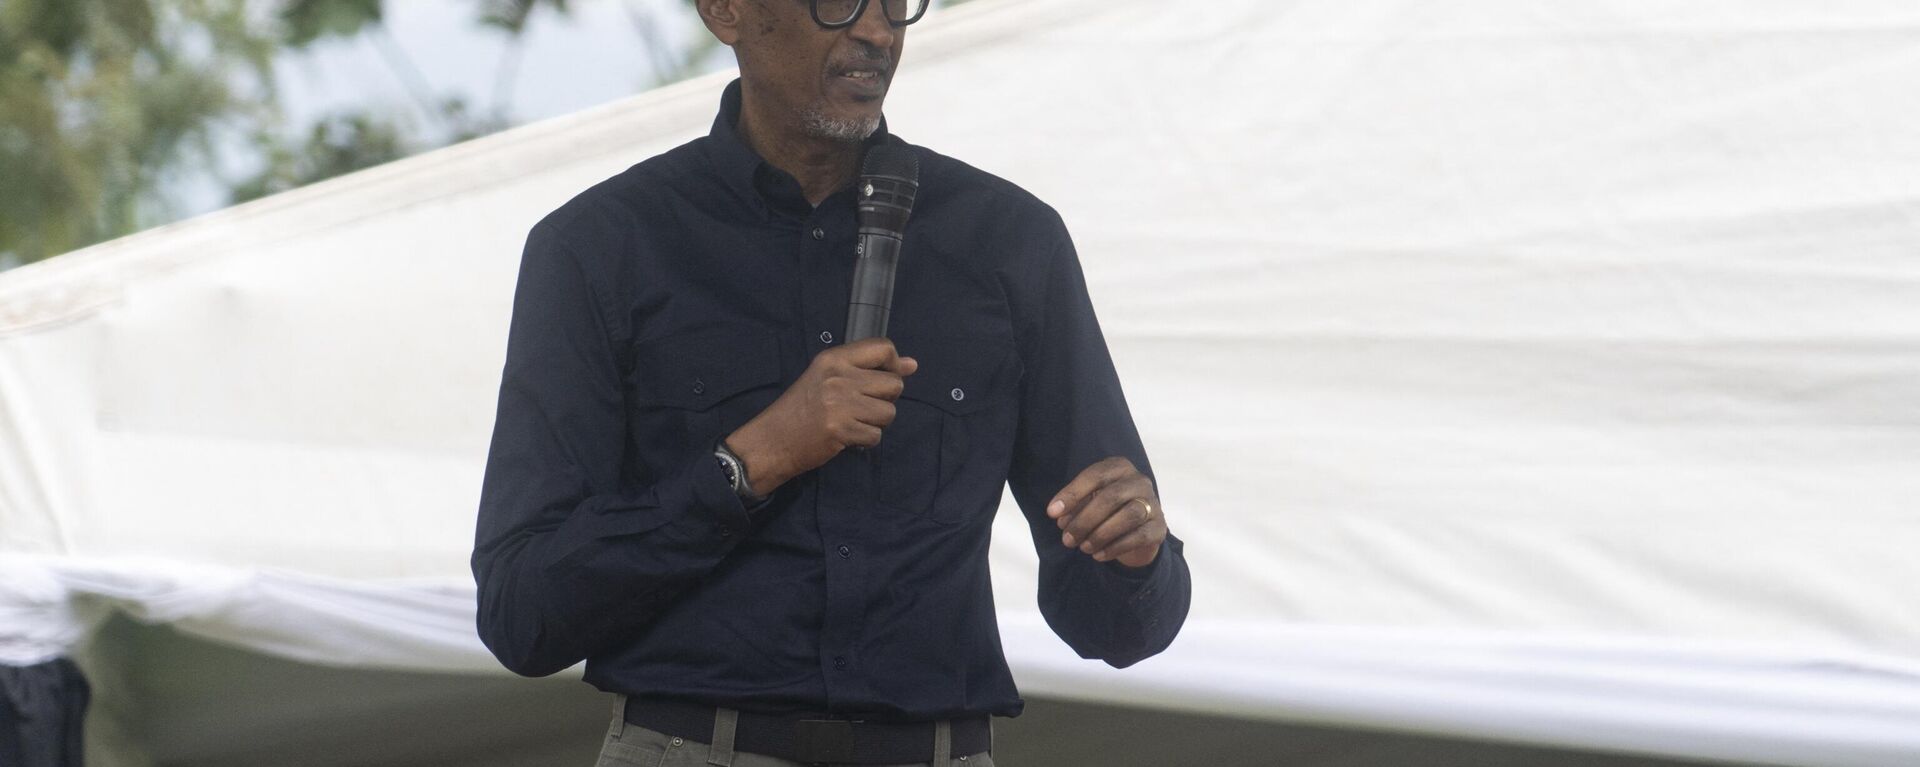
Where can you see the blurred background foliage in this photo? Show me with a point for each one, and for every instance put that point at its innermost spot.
(100, 100)
(105, 105)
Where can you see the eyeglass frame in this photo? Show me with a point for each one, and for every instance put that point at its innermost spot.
(860, 9)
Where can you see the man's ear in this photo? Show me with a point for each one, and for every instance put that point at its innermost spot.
(723, 18)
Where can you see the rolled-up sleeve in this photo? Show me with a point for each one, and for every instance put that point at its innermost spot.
(1073, 414)
(569, 553)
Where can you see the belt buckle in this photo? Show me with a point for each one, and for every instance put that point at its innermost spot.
(824, 740)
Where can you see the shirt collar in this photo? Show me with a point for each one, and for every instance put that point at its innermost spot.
(745, 172)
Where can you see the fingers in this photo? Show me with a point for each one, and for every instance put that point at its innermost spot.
(862, 391)
(1068, 501)
(870, 353)
(1141, 541)
(878, 354)
(1102, 505)
(880, 385)
(858, 434)
(856, 416)
(1111, 512)
(876, 412)
(859, 383)
(1131, 515)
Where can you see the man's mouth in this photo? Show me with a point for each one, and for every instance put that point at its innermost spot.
(864, 80)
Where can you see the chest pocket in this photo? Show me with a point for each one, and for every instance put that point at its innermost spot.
(950, 424)
(690, 390)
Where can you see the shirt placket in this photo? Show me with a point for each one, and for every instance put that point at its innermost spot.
(844, 498)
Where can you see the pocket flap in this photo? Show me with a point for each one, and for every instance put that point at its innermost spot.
(699, 370)
(960, 374)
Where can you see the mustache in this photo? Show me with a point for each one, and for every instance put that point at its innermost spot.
(865, 56)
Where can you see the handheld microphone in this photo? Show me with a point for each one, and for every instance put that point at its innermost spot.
(889, 179)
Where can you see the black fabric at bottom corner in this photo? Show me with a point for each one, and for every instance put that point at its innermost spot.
(42, 709)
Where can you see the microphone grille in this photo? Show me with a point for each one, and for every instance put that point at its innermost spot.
(892, 160)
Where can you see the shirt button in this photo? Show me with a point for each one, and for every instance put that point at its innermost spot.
(819, 234)
(826, 336)
(725, 531)
(699, 386)
(839, 661)
(677, 741)
(845, 552)
(957, 394)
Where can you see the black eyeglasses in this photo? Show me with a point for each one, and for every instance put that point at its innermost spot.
(834, 14)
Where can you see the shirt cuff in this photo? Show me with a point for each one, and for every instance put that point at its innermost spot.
(698, 493)
(1139, 585)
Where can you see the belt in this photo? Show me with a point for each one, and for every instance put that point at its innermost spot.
(800, 739)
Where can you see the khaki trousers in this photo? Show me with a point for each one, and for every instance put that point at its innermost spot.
(630, 745)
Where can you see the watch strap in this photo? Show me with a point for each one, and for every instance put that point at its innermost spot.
(736, 471)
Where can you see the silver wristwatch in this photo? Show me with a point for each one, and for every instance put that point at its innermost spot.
(736, 472)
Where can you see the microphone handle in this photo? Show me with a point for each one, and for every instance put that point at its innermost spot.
(872, 299)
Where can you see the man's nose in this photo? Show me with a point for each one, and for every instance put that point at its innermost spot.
(872, 27)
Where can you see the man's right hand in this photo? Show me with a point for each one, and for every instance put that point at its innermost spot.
(843, 399)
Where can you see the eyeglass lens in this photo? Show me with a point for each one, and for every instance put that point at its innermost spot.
(841, 12)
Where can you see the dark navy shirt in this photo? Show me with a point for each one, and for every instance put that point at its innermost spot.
(661, 309)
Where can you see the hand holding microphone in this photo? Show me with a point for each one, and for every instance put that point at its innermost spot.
(845, 397)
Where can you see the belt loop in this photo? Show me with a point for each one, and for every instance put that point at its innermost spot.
(619, 725)
(943, 743)
(720, 749)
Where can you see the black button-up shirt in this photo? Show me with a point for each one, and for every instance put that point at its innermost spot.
(661, 309)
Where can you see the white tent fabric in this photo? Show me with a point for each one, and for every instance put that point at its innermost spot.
(1517, 370)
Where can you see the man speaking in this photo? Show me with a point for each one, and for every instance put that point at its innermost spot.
(771, 542)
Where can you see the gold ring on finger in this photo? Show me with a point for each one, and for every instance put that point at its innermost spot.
(1148, 506)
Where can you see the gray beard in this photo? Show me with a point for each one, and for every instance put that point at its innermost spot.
(819, 125)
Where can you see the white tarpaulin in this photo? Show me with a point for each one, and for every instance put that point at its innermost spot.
(1535, 371)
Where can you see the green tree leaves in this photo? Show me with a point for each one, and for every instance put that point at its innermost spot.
(105, 104)
(101, 99)
(310, 20)
(338, 144)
